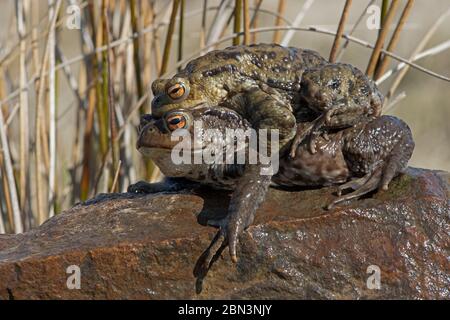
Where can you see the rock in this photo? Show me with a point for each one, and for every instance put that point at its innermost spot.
(145, 247)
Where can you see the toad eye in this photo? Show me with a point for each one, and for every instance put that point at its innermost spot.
(177, 91)
(176, 121)
(334, 84)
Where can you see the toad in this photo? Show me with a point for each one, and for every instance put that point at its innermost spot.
(362, 158)
(268, 85)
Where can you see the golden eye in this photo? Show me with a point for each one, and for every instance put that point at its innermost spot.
(176, 121)
(176, 91)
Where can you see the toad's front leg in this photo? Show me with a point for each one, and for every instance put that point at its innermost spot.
(245, 200)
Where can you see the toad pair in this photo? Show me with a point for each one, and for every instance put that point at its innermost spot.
(291, 90)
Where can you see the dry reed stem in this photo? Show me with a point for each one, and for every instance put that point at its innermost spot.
(416, 51)
(394, 102)
(224, 25)
(2, 224)
(136, 48)
(23, 102)
(73, 83)
(7, 200)
(39, 117)
(254, 21)
(203, 25)
(429, 52)
(348, 37)
(237, 21)
(317, 30)
(40, 214)
(92, 76)
(52, 110)
(280, 10)
(114, 186)
(340, 31)
(101, 88)
(111, 108)
(381, 38)
(11, 54)
(99, 49)
(86, 170)
(298, 20)
(44, 138)
(148, 45)
(246, 23)
(6, 195)
(170, 31)
(18, 225)
(394, 39)
(361, 16)
(219, 21)
(180, 32)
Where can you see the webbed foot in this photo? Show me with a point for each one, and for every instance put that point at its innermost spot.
(362, 186)
(217, 245)
(354, 184)
(209, 256)
(386, 144)
(378, 179)
(247, 197)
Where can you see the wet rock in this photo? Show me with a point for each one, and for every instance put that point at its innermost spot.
(129, 247)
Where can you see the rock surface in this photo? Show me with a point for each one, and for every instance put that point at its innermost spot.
(145, 247)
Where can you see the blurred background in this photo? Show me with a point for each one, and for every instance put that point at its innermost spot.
(75, 76)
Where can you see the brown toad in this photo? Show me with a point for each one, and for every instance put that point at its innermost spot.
(269, 85)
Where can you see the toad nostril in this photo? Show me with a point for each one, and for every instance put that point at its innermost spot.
(146, 118)
(157, 101)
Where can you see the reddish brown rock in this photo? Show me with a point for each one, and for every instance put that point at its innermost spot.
(130, 247)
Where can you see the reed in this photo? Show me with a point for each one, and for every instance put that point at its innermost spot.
(53, 13)
(394, 39)
(281, 8)
(23, 103)
(181, 31)
(340, 31)
(170, 31)
(385, 24)
(255, 19)
(108, 92)
(246, 23)
(237, 20)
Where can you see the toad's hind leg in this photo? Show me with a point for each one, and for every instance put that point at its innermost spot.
(398, 161)
(362, 186)
(354, 184)
(379, 178)
(393, 144)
